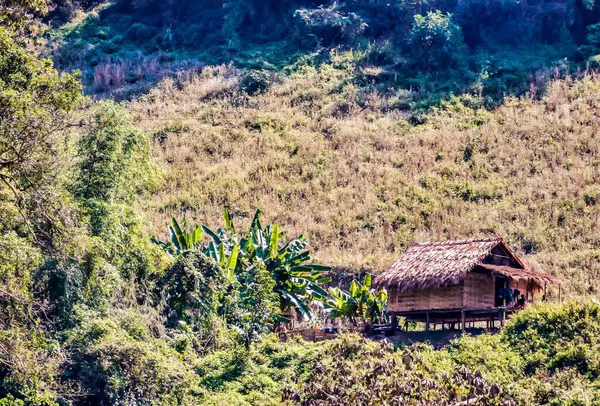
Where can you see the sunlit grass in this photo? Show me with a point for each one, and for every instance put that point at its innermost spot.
(324, 158)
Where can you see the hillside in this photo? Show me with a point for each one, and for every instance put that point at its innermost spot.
(187, 185)
(325, 158)
(425, 50)
(335, 100)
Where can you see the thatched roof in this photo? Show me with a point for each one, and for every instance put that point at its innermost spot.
(439, 264)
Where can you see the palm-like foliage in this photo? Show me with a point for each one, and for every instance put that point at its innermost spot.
(182, 240)
(296, 281)
(360, 301)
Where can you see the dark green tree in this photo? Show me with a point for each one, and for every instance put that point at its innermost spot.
(436, 41)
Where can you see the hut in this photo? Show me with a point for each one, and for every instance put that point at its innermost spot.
(460, 281)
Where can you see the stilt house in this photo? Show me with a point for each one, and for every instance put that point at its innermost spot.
(449, 279)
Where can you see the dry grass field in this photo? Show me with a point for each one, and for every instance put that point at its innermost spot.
(325, 158)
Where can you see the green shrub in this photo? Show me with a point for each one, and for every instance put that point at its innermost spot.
(18, 264)
(140, 33)
(436, 41)
(555, 337)
(487, 353)
(330, 25)
(118, 361)
(353, 370)
(115, 163)
(29, 368)
(256, 81)
(255, 376)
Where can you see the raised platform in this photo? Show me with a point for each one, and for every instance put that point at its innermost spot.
(453, 317)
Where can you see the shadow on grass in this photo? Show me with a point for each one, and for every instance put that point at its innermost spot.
(123, 52)
(437, 338)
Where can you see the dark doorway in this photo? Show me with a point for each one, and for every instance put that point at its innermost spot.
(500, 284)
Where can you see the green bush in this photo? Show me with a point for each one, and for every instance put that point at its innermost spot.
(115, 163)
(256, 81)
(119, 361)
(29, 368)
(19, 261)
(330, 25)
(554, 337)
(353, 370)
(436, 41)
(497, 361)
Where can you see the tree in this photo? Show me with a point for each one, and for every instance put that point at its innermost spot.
(36, 103)
(18, 15)
(114, 165)
(329, 25)
(435, 41)
(197, 291)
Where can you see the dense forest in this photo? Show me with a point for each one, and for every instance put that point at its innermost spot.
(165, 164)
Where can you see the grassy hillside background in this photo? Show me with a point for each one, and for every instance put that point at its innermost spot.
(317, 153)
(321, 116)
(363, 125)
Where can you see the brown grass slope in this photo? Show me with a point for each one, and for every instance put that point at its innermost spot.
(324, 158)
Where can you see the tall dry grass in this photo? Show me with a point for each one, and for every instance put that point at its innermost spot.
(322, 157)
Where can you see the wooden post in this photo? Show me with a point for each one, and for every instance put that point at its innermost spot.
(427, 321)
(462, 320)
(545, 297)
(559, 292)
(503, 317)
(394, 323)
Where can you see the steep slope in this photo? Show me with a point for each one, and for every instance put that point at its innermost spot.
(323, 157)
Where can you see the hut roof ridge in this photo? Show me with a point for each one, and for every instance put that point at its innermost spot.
(456, 242)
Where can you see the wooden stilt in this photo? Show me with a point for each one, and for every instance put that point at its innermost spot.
(559, 292)
(427, 322)
(462, 320)
(394, 323)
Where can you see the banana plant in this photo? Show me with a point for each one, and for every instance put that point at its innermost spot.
(297, 282)
(182, 240)
(361, 301)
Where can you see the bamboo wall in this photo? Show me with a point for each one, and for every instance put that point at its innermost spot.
(479, 291)
(450, 297)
